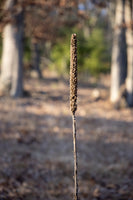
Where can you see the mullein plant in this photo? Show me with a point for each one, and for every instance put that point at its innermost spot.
(73, 106)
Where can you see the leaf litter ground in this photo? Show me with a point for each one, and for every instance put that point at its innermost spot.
(36, 156)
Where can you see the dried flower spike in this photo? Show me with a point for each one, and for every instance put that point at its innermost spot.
(73, 105)
(73, 73)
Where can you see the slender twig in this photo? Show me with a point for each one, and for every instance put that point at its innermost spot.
(75, 157)
(73, 105)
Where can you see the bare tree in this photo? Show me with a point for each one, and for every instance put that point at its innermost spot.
(12, 64)
(119, 62)
(129, 39)
(36, 57)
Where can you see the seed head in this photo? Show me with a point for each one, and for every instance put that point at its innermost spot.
(73, 73)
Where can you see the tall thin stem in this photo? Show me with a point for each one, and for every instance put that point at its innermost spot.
(75, 157)
(73, 105)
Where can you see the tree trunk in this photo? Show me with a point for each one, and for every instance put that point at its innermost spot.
(11, 65)
(119, 61)
(17, 69)
(36, 58)
(7, 53)
(129, 39)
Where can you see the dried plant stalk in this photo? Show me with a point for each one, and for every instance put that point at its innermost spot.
(73, 105)
(75, 158)
(73, 73)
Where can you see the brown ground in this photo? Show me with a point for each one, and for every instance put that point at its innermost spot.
(36, 157)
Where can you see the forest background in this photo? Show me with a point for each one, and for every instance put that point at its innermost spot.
(104, 32)
(35, 122)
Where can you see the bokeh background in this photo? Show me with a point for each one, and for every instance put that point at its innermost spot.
(36, 151)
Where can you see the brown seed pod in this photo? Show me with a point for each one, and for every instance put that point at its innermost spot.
(73, 73)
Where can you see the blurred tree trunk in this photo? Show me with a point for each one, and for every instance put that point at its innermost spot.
(36, 58)
(17, 68)
(111, 19)
(119, 56)
(7, 53)
(129, 39)
(12, 55)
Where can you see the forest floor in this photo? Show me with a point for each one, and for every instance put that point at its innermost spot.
(36, 150)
